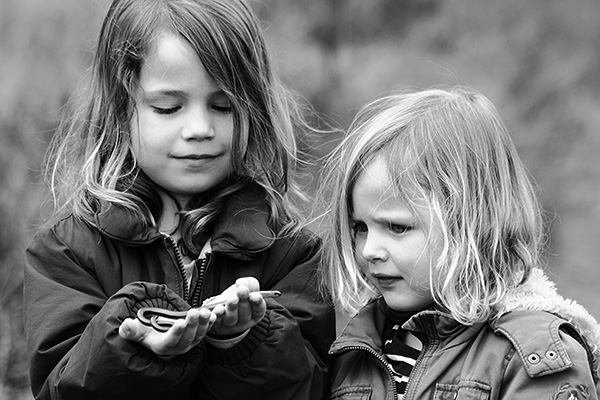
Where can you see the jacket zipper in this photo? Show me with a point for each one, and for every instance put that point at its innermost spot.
(194, 301)
(378, 357)
(413, 376)
(179, 262)
(197, 293)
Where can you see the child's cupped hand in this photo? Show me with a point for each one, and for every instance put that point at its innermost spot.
(245, 308)
(179, 339)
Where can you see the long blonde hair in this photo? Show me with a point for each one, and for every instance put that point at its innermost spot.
(90, 162)
(447, 150)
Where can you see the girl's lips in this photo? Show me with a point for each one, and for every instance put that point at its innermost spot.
(196, 161)
(385, 280)
(195, 156)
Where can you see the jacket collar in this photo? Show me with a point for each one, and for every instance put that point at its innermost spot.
(365, 327)
(537, 293)
(241, 231)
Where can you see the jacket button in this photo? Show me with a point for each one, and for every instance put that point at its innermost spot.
(533, 358)
(551, 355)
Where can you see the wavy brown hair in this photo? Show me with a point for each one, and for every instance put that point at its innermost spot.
(449, 151)
(90, 162)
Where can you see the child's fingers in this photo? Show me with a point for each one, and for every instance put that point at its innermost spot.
(172, 337)
(219, 311)
(196, 325)
(166, 343)
(258, 306)
(230, 317)
(132, 329)
(212, 319)
(242, 292)
(245, 307)
(205, 320)
(250, 282)
(186, 333)
(180, 338)
(227, 316)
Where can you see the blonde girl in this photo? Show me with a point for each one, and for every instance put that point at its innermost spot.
(434, 235)
(173, 181)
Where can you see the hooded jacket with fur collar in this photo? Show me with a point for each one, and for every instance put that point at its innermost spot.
(537, 345)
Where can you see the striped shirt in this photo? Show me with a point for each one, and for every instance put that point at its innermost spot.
(401, 350)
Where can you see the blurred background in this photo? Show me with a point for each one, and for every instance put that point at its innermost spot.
(538, 61)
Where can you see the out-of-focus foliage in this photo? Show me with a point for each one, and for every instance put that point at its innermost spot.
(44, 49)
(537, 60)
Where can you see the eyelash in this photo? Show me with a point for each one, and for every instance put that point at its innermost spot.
(399, 229)
(166, 111)
(359, 227)
(223, 109)
(172, 110)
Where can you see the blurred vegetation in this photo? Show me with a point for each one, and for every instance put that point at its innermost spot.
(538, 61)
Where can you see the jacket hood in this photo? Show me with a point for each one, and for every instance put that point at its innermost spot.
(242, 229)
(538, 293)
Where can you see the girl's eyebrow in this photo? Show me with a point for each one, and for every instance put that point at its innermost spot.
(156, 94)
(160, 93)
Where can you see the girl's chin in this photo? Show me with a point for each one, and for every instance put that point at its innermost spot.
(405, 302)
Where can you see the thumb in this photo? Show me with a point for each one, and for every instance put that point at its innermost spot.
(129, 330)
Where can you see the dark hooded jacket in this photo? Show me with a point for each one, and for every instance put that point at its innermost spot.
(82, 282)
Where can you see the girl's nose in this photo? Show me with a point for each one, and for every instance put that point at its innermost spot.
(198, 125)
(374, 249)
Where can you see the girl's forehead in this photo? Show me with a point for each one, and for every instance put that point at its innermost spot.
(375, 175)
(374, 170)
(375, 187)
(167, 46)
(373, 184)
(172, 66)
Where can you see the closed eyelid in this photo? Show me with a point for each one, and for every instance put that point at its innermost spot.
(221, 100)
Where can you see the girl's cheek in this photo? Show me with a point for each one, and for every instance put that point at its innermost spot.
(361, 261)
(358, 247)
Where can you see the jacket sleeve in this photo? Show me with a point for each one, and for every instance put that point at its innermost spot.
(285, 356)
(72, 331)
(563, 374)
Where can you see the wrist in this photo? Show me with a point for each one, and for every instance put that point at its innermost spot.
(217, 336)
(225, 341)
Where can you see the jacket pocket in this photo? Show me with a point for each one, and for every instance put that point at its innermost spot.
(465, 390)
(352, 393)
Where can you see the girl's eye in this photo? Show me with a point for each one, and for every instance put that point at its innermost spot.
(398, 228)
(224, 108)
(359, 227)
(166, 110)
